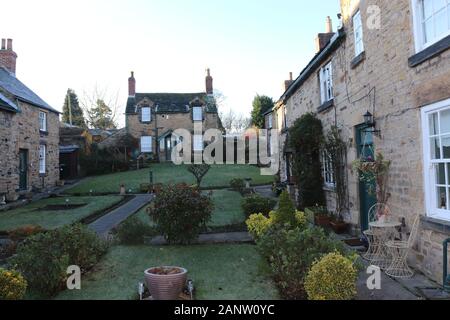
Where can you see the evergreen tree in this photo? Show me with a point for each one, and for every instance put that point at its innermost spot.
(261, 104)
(101, 116)
(74, 115)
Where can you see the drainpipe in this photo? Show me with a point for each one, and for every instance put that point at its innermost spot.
(446, 276)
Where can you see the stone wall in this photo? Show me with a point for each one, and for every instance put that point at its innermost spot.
(21, 131)
(384, 79)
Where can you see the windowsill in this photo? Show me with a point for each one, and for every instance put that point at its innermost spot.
(357, 60)
(438, 225)
(42, 174)
(146, 122)
(329, 188)
(430, 52)
(325, 106)
(44, 133)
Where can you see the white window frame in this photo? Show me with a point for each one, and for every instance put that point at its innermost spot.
(146, 116)
(197, 114)
(358, 33)
(146, 144)
(419, 31)
(327, 170)
(198, 144)
(42, 158)
(42, 121)
(429, 168)
(326, 82)
(270, 121)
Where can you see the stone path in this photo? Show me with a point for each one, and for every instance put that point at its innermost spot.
(215, 238)
(265, 191)
(106, 223)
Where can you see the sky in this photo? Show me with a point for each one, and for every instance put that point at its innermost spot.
(249, 45)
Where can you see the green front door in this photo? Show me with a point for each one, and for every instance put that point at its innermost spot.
(365, 146)
(23, 169)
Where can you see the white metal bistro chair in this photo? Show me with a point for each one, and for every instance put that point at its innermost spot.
(374, 212)
(399, 250)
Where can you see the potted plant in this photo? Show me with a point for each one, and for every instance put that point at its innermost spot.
(165, 283)
(321, 215)
(338, 224)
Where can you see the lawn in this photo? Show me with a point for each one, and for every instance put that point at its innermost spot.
(220, 272)
(227, 209)
(37, 214)
(219, 176)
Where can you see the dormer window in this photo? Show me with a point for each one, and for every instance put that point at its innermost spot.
(197, 113)
(42, 121)
(146, 114)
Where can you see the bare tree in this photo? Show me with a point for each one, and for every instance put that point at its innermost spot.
(92, 100)
(234, 123)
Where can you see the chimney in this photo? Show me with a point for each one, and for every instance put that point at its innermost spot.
(7, 56)
(209, 82)
(131, 85)
(323, 38)
(287, 83)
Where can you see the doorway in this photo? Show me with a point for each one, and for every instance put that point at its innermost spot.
(23, 169)
(367, 199)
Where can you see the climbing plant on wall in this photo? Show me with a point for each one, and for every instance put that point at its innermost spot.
(306, 138)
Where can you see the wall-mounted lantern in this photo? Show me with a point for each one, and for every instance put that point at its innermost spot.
(369, 120)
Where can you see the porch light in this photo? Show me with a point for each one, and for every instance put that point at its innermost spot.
(368, 119)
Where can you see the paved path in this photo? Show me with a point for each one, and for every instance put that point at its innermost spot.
(265, 191)
(214, 238)
(106, 223)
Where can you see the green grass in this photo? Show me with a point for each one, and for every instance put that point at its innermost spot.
(219, 176)
(31, 215)
(220, 272)
(227, 210)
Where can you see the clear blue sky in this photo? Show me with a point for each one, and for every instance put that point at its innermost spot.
(250, 45)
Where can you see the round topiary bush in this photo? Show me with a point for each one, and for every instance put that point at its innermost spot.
(180, 212)
(12, 285)
(332, 278)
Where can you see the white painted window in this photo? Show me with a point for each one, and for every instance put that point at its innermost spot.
(42, 156)
(197, 114)
(42, 121)
(358, 33)
(146, 114)
(327, 170)
(198, 143)
(326, 83)
(146, 144)
(436, 138)
(270, 121)
(431, 21)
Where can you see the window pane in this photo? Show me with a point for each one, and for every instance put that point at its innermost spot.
(429, 30)
(435, 147)
(446, 147)
(441, 198)
(441, 23)
(439, 4)
(440, 174)
(445, 121)
(433, 122)
(427, 9)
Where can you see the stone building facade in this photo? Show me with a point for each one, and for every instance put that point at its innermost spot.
(153, 117)
(386, 60)
(29, 134)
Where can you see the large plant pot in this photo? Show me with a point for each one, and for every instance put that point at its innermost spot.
(165, 286)
(322, 220)
(339, 227)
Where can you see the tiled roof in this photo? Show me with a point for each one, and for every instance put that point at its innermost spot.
(16, 88)
(168, 102)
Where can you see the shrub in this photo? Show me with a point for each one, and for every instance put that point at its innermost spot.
(180, 212)
(332, 278)
(257, 225)
(199, 171)
(291, 253)
(24, 232)
(257, 204)
(43, 258)
(133, 231)
(144, 187)
(237, 185)
(279, 187)
(12, 285)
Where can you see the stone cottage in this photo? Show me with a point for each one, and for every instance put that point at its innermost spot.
(29, 134)
(389, 60)
(152, 117)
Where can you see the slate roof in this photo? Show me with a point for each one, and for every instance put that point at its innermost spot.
(16, 88)
(7, 104)
(168, 102)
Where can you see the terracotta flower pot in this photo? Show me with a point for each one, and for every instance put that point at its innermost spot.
(339, 227)
(165, 283)
(322, 220)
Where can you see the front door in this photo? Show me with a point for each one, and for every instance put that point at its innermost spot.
(367, 199)
(23, 169)
(168, 147)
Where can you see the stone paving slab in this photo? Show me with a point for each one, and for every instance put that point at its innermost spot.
(105, 224)
(214, 238)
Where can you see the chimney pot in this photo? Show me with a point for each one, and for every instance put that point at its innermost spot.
(329, 25)
(10, 46)
(8, 57)
(3, 44)
(209, 82)
(287, 83)
(290, 76)
(132, 85)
